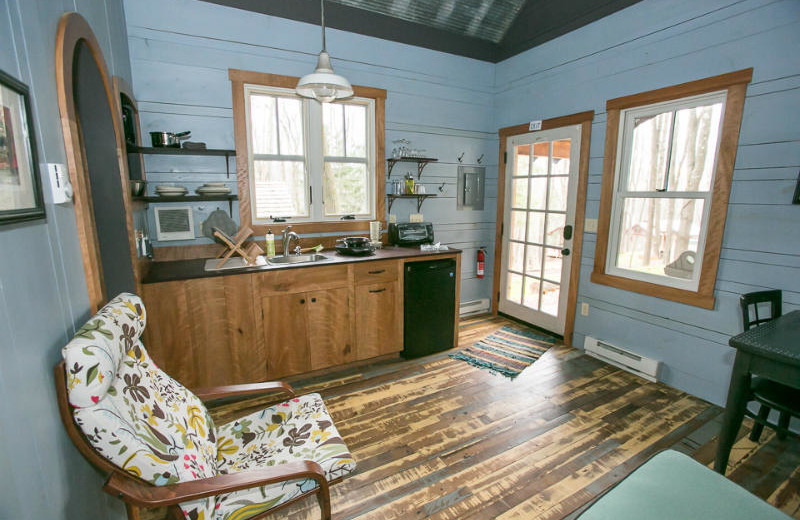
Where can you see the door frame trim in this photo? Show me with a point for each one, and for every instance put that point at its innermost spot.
(585, 120)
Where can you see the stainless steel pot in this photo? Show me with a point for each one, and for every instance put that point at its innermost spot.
(168, 139)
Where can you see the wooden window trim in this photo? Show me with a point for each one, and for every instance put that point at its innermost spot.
(735, 83)
(238, 79)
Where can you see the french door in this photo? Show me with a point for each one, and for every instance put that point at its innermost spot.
(539, 217)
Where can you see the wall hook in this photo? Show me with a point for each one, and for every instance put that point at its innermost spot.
(461, 156)
(442, 189)
(480, 159)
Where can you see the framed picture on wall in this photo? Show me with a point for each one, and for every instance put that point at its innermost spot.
(20, 183)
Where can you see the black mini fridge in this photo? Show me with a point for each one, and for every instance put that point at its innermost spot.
(430, 307)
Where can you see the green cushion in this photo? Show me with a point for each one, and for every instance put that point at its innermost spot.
(673, 486)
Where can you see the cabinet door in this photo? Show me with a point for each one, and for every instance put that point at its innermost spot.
(285, 335)
(167, 337)
(378, 320)
(329, 339)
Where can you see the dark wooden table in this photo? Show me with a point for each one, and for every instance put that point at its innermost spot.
(771, 351)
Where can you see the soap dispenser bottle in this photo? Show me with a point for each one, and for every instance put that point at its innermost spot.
(270, 244)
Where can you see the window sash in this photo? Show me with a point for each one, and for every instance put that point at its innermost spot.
(621, 193)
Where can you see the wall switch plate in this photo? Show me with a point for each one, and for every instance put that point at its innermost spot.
(392, 218)
(590, 225)
(59, 183)
(415, 217)
(584, 309)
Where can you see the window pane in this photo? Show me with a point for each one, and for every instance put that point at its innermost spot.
(536, 227)
(346, 189)
(550, 294)
(280, 189)
(514, 288)
(555, 229)
(515, 253)
(519, 193)
(262, 124)
(356, 121)
(660, 236)
(531, 293)
(560, 160)
(533, 261)
(333, 129)
(517, 231)
(694, 148)
(541, 156)
(290, 118)
(552, 264)
(649, 152)
(523, 160)
(557, 199)
(538, 193)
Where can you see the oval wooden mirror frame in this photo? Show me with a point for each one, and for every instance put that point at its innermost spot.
(73, 30)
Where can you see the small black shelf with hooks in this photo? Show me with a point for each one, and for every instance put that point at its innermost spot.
(421, 163)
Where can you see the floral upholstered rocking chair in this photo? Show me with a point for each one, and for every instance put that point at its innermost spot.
(160, 446)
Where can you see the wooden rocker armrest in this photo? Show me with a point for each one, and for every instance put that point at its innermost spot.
(220, 392)
(142, 494)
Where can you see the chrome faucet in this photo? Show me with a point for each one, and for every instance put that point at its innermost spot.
(288, 236)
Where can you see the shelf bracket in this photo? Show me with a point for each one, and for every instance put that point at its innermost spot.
(227, 167)
(420, 167)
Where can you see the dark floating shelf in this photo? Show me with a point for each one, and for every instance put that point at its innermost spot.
(180, 151)
(191, 198)
(421, 163)
(419, 196)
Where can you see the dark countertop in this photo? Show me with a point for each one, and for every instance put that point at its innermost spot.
(189, 269)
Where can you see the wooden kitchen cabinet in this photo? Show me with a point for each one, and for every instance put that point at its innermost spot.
(329, 339)
(202, 331)
(378, 319)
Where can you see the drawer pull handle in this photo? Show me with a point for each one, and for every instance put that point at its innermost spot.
(379, 271)
(313, 300)
(377, 290)
(302, 301)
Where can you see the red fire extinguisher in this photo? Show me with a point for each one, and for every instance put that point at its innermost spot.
(481, 262)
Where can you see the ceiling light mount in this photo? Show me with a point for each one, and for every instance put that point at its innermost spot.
(323, 84)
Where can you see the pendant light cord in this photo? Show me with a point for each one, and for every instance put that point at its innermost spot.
(322, 14)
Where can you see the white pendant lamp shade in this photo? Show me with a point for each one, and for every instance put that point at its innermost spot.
(322, 84)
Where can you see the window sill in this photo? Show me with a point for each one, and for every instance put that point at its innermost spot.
(695, 298)
(302, 228)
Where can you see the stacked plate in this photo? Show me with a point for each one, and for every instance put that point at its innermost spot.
(169, 190)
(213, 188)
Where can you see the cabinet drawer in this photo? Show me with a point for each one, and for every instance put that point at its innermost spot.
(371, 272)
(283, 281)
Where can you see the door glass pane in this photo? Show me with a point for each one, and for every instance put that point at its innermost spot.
(515, 254)
(694, 146)
(514, 288)
(555, 229)
(533, 261)
(280, 189)
(550, 294)
(333, 129)
(531, 293)
(356, 125)
(538, 193)
(552, 264)
(262, 124)
(517, 231)
(660, 236)
(560, 160)
(536, 227)
(557, 198)
(290, 119)
(523, 160)
(519, 193)
(541, 157)
(346, 189)
(649, 151)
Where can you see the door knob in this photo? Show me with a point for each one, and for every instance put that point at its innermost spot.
(565, 251)
(567, 232)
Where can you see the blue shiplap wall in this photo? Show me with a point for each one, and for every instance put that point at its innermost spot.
(655, 44)
(181, 51)
(42, 289)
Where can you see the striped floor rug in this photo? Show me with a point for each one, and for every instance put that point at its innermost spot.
(507, 351)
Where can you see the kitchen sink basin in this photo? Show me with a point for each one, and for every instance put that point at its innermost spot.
(296, 259)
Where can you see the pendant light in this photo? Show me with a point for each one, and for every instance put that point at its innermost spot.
(322, 84)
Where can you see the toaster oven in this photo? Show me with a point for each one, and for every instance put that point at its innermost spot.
(410, 233)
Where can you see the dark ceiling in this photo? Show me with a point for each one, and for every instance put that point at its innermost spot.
(487, 30)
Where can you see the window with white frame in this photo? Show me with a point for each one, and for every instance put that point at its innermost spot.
(309, 161)
(667, 154)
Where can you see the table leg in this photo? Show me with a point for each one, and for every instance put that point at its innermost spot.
(734, 410)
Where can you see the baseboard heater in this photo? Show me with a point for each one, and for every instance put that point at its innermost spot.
(624, 359)
(473, 307)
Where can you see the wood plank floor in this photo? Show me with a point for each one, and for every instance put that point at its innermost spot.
(436, 438)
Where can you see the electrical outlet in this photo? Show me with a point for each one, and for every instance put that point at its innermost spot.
(590, 225)
(584, 309)
(392, 218)
(415, 217)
